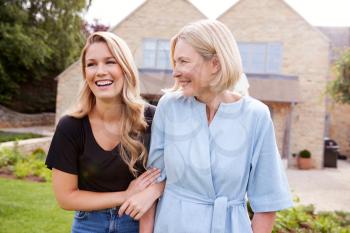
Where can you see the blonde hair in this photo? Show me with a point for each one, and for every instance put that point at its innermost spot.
(212, 38)
(133, 124)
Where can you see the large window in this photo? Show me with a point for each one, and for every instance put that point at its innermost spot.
(156, 54)
(261, 57)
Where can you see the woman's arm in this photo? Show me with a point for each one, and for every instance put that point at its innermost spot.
(69, 197)
(263, 222)
(147, 220)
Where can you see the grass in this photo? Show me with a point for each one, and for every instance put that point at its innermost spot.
(12, 136)
(30, 207)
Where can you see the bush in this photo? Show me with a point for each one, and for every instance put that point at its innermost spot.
(305, 154)
(303, 219)
(22, 169)
(25, 165)
(9, 157)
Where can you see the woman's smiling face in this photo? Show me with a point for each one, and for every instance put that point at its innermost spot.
(103, 74)
(191, 70)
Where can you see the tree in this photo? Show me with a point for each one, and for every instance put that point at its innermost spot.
(38, 40)
(339, 89)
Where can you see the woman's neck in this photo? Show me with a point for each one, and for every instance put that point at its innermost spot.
(213, 100)
(108, 111)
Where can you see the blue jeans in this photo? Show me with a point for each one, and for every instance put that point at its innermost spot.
(103, 221)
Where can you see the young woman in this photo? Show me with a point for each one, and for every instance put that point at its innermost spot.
(213, 146)
(100, 147)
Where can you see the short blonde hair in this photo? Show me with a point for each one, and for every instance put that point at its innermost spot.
(212, 38)
(133, 121)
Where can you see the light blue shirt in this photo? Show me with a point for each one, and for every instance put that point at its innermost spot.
(209, 170)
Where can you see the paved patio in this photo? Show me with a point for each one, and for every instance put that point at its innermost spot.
(328, 189)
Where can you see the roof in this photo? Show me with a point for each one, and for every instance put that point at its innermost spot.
(112, 29)
(265, 87)
(339, 38)
(288, 6)
(152, 82)
(275, 88)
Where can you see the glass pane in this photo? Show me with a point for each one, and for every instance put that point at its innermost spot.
(163, 59)
(149, 44)
(258, 58)
(244, 51)
(274, 58)
(149, 58)
(164, 45)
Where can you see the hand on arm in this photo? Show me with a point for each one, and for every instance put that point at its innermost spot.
(137, 205)
(263, 222)
(139, 184)
(69, 197)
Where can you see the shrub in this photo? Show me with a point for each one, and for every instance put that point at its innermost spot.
(304, 219)
(22, 169)
(9, 157)
(25, 165)
(305, 154)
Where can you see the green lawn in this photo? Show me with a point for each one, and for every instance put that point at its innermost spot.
(11, 136)
(29, 207)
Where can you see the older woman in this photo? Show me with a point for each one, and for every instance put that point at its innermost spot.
(214, 147)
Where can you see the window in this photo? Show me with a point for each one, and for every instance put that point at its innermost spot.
(156, 54)
(261, 57)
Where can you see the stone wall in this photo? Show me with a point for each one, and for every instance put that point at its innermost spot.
(340, 127)
(11, 119)
(29, 145)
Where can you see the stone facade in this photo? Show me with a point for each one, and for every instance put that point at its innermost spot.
(305, 55)
(339, 129)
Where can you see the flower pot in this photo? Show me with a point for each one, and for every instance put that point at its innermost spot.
(305, 163)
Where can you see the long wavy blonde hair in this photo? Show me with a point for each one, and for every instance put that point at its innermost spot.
(133, 123)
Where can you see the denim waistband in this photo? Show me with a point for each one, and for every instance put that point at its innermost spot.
(108, 210)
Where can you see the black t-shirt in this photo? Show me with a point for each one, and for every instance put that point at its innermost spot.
(74, 150)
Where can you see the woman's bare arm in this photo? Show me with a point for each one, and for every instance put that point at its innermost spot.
(147, 220)
(69, 197)
(263, 222)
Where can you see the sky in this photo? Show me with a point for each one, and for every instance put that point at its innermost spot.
(316, 12)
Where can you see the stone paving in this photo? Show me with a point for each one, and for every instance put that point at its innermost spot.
(328, 189)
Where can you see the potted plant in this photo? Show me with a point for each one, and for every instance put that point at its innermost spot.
(304, 160)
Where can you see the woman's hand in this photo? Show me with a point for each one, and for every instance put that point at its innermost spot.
(142, 182)
(137, 205)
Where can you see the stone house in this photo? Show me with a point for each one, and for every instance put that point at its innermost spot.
(285, 59)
